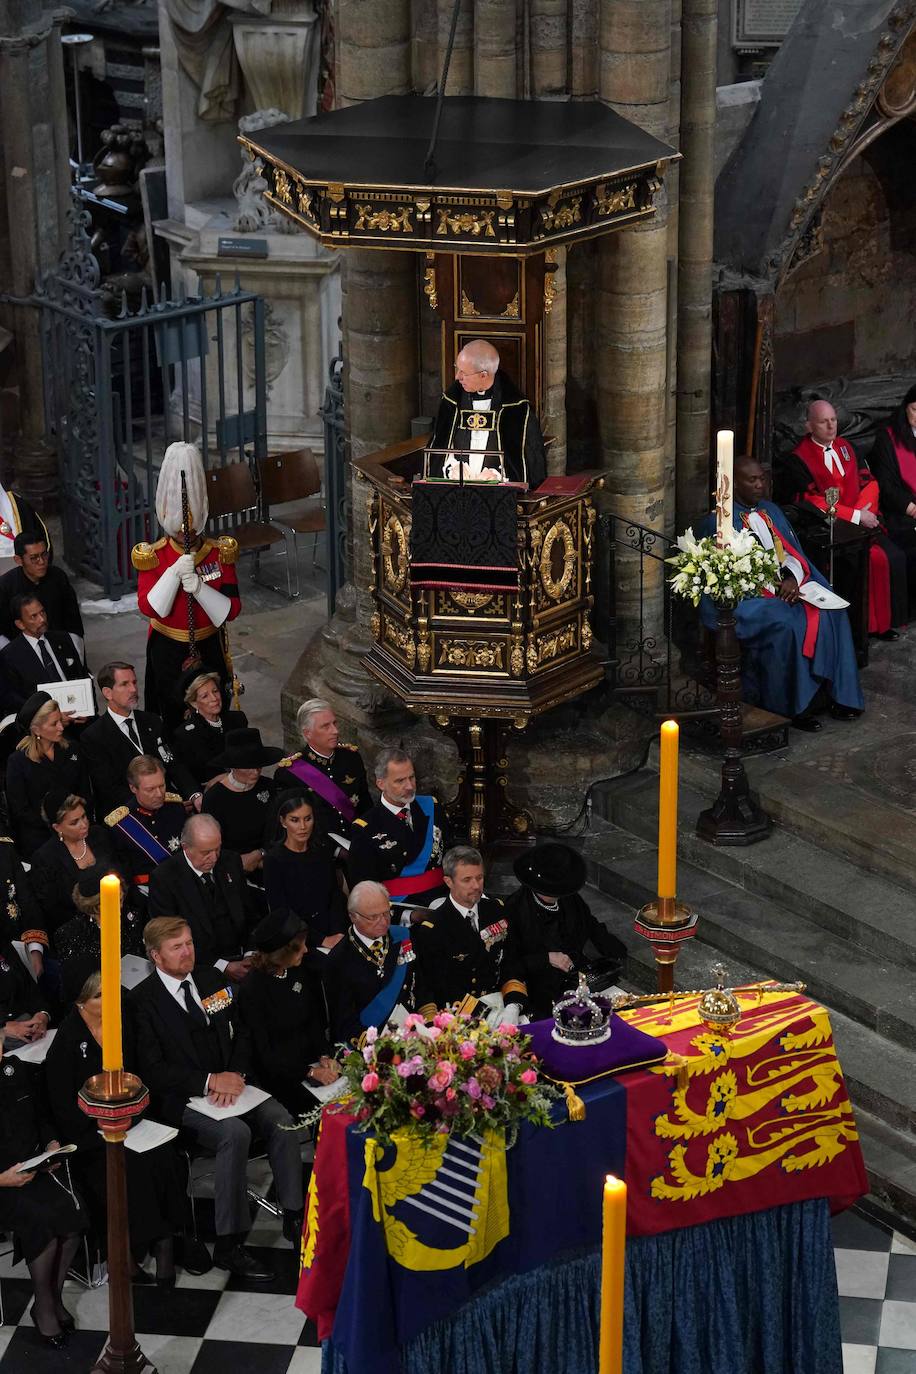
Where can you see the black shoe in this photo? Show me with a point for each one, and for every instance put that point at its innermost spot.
(55, 1342)
(195, 1257)
(889, 635)
(292, 1226)
(844, 712)
(141, 1277)
(67, 1322)
(239, 1260)
(810, 724)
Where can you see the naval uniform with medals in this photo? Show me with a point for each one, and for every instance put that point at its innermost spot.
(365, 979)
(462, 953)
(402, 848)
(498, 419)
(143, 838)
(335, 784)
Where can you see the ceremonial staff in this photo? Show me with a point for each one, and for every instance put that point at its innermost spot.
(193, 657)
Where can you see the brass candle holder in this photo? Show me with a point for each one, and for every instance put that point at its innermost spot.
(667, 924)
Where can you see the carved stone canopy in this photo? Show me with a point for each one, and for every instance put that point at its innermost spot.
(512, 175)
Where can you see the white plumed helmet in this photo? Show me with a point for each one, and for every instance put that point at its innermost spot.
(180, 458)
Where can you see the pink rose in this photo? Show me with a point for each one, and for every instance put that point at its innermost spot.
(450, 1094)
(443, 1019)
(488, 1101)
(528, 1076)
(413, 1019)
(410, 1066)
(505, 1029)
(371, 1035)
(473, 1088)
(368, 1054)
(417, 1110)
(370, 1082)
(433, 1032)
(467, 1049)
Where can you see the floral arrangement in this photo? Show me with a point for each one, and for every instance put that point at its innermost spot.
(451, 1075)
(742, 567)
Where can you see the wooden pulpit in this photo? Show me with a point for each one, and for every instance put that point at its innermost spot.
(488, 629)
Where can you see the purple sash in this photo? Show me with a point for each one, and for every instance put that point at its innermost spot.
(326, 787)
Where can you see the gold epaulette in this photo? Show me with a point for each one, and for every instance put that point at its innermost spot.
(427, 1011)
(513, 985)
(173, 796)
(290, 760)
(359, 822)
(144, 557)
(354, 748)
(117, 815)
(430, 925)
(228, 549)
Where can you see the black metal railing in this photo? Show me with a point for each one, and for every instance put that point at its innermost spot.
(657, 656)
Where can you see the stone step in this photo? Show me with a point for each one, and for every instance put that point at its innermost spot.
(823, 886)
(874, 990)
(878, 1072)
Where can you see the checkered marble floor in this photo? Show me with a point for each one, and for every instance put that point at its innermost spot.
(198, 1326)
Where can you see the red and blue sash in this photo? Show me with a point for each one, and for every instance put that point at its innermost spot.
(415, 876)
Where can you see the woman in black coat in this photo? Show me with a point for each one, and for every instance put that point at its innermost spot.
(37, 1208)
(24, 1014)
(283, 1006)
(241, 799)
(43, 759)
(156, 1200)
(201, 737)
(299, 874)
(79, 942)
(551, 928)
(75, 846)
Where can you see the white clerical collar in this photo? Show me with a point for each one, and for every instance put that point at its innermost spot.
(832, 459)
(481, 403)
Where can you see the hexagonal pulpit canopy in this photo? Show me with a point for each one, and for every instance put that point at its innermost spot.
(514, 176)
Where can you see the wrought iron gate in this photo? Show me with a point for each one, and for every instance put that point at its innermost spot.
(122, 384)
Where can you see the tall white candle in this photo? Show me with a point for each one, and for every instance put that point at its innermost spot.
(725, 460)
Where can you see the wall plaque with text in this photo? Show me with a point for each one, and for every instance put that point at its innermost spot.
(762, 22)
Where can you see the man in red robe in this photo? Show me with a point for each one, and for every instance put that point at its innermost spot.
(822, 460)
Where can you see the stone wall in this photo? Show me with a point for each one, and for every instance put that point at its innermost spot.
(848, 311)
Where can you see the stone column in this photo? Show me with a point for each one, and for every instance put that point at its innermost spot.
(583, 49)
(548, 48)
(553, 420)
(695, 248)
(34, 145)
(631, 306)
(374, 49)
(495, 56)
(672, 182)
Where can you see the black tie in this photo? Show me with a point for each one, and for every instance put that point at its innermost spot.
(48, 662)
(209, 885)
(131, 730)
(197, 1016)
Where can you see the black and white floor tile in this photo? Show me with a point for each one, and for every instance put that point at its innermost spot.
(198, 1326)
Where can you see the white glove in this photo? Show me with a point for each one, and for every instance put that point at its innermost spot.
(191, 582)
(184, 565)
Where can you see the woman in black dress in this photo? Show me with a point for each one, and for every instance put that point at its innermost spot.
(78, 941)
(156, 1201)
(201, 737)
(241, 799)
(42, 759)
(283, 1006)
(37, 1208)
(299, 874)
(75, 845)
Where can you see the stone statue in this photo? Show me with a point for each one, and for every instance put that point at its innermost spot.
(254, 214)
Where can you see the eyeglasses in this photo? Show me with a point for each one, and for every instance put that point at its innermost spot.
(35, 557)
(374, 920)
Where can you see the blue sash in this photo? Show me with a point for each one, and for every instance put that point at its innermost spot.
(385, 1000)
(137, 832)
(420, 864)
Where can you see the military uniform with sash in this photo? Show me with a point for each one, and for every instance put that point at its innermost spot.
(336, 786)
(364, 983)
(143, 838)
(404, 855)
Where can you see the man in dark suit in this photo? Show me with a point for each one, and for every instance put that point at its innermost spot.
(37, 654)
(372, 969)
(401, 840)
(122, 733)
(461, 943)
(206, 885)
(191, 1043)
(148, 829)
(35, 575)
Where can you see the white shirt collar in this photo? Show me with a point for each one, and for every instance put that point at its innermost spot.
(120, 720)
(173, 984)
(390, 806)
(196, 871)
(466, 911)
(368, 940)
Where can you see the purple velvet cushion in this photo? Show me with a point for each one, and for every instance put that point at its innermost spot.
(626, 1048)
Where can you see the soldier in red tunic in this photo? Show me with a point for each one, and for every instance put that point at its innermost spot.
(180, 592)
(822, 460)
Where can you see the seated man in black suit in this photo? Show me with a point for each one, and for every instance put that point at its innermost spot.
(206, 885)
(148, 829)
(191, 1043)
(372, 969)
(35, 575)
(122, 733)
(400, 841)
(461, 943)
(37, 654)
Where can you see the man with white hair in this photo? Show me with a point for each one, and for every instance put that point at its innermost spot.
(483, 411)
(822, 460)
(330, 773)
(181, 591)
(372, 970)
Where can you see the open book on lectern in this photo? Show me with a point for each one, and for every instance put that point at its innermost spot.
(463, 465)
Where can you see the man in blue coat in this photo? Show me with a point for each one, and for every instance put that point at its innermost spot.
(793, 642)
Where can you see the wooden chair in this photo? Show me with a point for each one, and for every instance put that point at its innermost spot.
(294, 476)
(234, 499)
